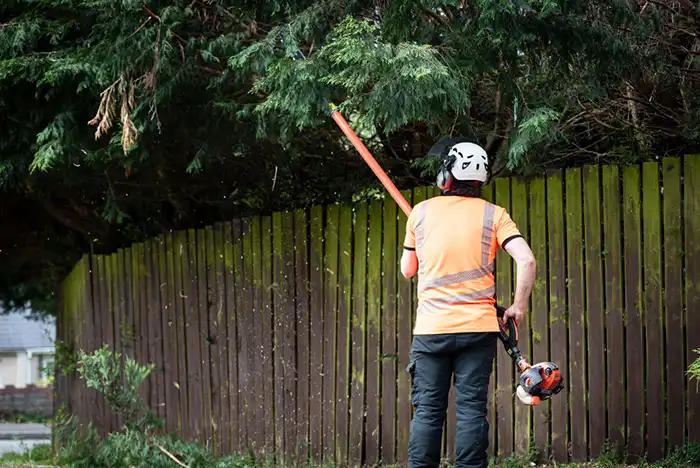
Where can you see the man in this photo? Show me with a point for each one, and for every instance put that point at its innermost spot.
(451, 241)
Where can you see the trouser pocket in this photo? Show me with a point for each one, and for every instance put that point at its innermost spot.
(411, 370)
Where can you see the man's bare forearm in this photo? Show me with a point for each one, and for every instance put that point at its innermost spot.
(526, 273)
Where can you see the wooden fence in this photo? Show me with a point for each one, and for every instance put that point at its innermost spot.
(289, 334)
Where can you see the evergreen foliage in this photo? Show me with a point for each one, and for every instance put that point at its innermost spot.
(122, 119)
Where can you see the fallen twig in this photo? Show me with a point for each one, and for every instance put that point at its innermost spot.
(170, 455)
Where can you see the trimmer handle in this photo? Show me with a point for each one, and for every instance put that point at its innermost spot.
(509, 336)
(509, 331)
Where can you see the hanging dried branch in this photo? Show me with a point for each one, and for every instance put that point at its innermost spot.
(129, 132)
(106, 111)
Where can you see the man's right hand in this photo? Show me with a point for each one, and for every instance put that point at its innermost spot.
(515, 312)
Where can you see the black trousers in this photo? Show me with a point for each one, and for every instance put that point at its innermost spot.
(435, 360)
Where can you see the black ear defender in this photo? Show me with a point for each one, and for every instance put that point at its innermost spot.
(444, 177)
(442, 149)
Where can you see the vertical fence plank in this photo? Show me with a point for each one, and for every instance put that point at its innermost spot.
(301, 264)
(247, 337)
(214, 339)
(144, 333)
(404, 310)
(169, 364)
(594, 309)
(155, 322)
(194, 369)
(66, 338)
(89, 330)
(97, 277)
(631, 192)
(238, 234)
(576, 372)
(389, 377)
(232, 342)
(290, 366)
(252, 246)
(504, 366)
(149, 324)
(110, 329)
(316, 269)
(117, 330)
(100, 292)
(263, 335)
(171, 338)
(329, 332)
(280, 299)
(558, 322)
(691, 202)
(265, 292)
(129, 304)
(179, 262)
(78, 329)
(128, 319)
(374, 298)
(78, 336)
(222, 414)
(121, 333)
(264, 320)
(653, 311)
(137, 291)
(540, 306)
(519, 214)
(158, 358)
(359, 314)
(342, 391)
(673, 300)
(85, 329)
(261, 345)
(615, 344)
(62, 395)
(204, 337)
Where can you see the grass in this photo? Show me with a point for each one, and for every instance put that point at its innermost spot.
(687, 456)
(39, 455)
(43, 455)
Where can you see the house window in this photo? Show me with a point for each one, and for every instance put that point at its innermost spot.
(45, 367)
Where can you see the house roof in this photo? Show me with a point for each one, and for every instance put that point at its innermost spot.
(17, 332)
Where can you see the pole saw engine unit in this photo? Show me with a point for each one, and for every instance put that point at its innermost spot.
(537, 382)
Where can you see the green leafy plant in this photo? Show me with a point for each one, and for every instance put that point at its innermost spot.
(118, 380)
(694, 370)
(64, 358)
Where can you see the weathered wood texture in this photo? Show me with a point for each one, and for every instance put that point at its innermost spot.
(289, 334)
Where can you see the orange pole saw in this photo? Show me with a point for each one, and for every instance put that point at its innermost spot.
(537, 382)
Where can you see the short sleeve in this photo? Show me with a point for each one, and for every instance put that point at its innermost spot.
(409, 242)
(506, 230)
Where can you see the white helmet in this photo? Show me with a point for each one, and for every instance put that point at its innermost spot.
(462, 160)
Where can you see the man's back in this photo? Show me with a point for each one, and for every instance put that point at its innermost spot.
(456, 240)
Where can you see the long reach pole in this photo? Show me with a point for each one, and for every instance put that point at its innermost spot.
(369, 159)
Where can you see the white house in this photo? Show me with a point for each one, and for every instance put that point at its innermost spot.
(26, 346)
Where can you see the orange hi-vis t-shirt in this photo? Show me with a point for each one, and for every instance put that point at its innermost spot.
(456, 240)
